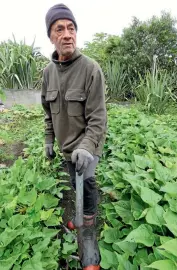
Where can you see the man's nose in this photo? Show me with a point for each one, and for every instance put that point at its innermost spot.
(66, 34)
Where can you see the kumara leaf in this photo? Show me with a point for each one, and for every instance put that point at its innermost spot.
(27, 197)
(170, 246)
(50, 201)
(143, 234)
(125, 264)
(172, 202)
(149, 196)
(170, 188)
(8, 235)
(41, 245)
(155, 215)
(46, 214)
(108, 258)
(171, 221)
(163, 265)
(16, 220)
(141, 256)
(142, 162)
(46, 184)
(111, 235)
(7, 264)
(53, 220)
(137, 206)
(69, 248)
(127, 247)
(49, 232)
(33, 263)
(39, 202)
(123, 210)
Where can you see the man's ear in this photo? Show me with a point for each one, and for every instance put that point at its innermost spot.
(51, 40)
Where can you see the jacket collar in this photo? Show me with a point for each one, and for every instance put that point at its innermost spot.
(75, 56)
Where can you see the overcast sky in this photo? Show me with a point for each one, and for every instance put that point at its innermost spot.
(26, 18)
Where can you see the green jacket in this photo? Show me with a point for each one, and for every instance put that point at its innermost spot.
(73, 97)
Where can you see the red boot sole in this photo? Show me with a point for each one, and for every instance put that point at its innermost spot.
(92, 267)
(71, 226)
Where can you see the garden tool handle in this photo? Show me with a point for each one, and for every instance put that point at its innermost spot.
(79, 200)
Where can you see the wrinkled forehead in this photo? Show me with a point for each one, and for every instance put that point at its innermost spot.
(63, 22)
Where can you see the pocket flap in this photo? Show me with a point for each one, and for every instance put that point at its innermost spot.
(51, 95)
(75, 95)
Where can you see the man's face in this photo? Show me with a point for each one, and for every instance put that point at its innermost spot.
(63, 36)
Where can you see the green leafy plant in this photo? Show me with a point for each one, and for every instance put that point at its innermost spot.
(28, 211)
(155, 91)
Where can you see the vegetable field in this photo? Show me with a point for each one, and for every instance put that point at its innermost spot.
(137, 179)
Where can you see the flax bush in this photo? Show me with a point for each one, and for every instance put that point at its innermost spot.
(116, 78)
(20, 65)
(155, 91)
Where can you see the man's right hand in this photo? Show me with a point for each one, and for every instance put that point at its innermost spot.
(50, 153)
(82, 158)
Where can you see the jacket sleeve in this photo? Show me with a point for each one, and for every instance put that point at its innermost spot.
(95, 112)
(49, 132)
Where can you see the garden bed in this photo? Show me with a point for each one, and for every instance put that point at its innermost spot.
(137, 178)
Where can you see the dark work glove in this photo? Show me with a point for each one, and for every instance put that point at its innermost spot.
(82, 158)
(50, 153)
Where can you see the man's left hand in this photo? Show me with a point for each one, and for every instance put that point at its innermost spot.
(82, 158)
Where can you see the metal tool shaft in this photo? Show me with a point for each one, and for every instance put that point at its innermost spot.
(79, 200)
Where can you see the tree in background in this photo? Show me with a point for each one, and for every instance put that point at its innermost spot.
(97, 48)
(142, 40)
(135, 49)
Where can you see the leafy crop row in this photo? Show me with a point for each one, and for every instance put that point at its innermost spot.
(138, 176)
(30, 209)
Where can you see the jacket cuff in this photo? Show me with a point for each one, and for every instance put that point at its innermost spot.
(88, 145)
(49, 139)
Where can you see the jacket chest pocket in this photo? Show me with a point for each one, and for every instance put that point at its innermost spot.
(52, 97)
(75, 102)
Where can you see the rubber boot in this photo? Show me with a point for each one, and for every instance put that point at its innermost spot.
(88, 246)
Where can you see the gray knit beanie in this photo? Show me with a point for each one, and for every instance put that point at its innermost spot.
(58, 12)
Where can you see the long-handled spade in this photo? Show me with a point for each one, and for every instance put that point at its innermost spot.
(79, 222)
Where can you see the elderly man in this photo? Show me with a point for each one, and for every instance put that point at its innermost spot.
(74, 103)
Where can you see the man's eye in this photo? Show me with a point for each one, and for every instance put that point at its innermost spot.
(71, 29)
(59, 30)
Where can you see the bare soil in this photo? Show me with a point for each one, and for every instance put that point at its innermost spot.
(68, 201)
(12, 151)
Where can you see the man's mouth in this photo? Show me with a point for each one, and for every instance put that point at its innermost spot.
(67, 44)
